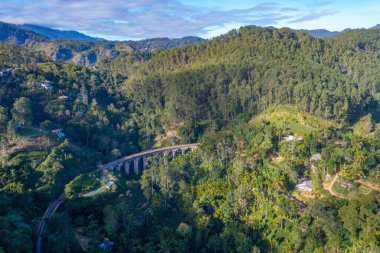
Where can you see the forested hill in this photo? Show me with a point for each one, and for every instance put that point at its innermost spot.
(12, 55)
(83, 50)
(321, 33)
(165, 43)
(11, 33)
(279, 167)
(361, 39)
(248, 70)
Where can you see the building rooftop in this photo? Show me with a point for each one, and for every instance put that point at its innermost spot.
(316, 157)
(61, 135)
(292, 138)
(107, 244)
(304, 184)
(109, 184)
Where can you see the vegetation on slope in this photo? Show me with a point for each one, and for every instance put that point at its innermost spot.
(247, 71)
(244, 96)
(232, 194)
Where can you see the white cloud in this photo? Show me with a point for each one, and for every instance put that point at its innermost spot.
(150, 18)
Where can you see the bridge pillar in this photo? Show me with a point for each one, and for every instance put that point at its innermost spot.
(136, 165)
(126, 167)
(165, 155)
(174, 153)
(144, 162)
(116, 167)
(183, 150)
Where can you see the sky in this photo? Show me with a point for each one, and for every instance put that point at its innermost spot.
(140, 19)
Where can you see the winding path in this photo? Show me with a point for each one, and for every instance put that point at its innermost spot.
(53, 207)
(330, 188)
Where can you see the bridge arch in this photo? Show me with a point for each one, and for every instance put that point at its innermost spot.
(117, 164)
(131, 162)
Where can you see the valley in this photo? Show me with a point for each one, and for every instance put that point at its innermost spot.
(258, 140)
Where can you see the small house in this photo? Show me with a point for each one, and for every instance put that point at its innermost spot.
(46, 85)
(316, 157)
(304, 184)
(109, 184)
(292, 138)
(19, 125)
(5, 72)
(346, 185)
(63, 98)
(55, 131)
(59, 133)
(106, 245)
(328, 177)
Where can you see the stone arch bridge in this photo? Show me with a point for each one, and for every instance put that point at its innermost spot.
(133, 161)
(125, 162)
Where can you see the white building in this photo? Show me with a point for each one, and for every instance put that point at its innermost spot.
(63, 98)
(5, 72)
(109, 184)
(292, 138)
(46, 85)
(304, 184)
(316, 157)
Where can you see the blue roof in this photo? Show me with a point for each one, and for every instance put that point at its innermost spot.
(61, 135)
(106, 244)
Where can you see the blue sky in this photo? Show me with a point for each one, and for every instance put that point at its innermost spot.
(137, 19)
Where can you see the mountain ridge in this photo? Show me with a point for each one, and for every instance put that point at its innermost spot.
(11, 33)
(81, 49)
(320, 33)
(58, 34)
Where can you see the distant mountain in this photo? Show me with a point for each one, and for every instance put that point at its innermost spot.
(12, 33)
(321, 33)
(79, 48)
(376, 26)
(83, 53)
(165, 42)
(58, 34)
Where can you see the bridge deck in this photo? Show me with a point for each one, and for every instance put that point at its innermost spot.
(148, 152)
(55, 204)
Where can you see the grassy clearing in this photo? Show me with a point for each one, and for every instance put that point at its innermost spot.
(355, 192)
(93, 193)
(27, 158)
(303, 196)
(364, 126)
(287, 117)
(84, 183)
(363, 189)
(29, 132)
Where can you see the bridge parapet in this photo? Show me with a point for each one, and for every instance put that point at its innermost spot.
(117, 164)
(127, 160)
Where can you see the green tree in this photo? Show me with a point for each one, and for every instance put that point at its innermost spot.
(3, 119)
(22, 112)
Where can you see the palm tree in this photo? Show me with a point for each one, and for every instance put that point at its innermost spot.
(359, 157)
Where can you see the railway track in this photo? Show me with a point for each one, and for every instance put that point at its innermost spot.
(52, 208)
